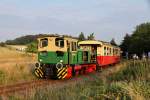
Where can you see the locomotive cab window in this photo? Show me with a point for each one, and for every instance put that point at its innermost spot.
(59, 42)
(74, 46)
(44, 43)
(85, 56)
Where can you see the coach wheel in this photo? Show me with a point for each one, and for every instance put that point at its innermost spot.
(98, 68)
(82, 71)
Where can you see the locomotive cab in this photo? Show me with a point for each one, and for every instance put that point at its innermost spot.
(55, 53)
(51, 50)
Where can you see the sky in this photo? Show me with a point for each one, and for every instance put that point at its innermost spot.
(106, 18)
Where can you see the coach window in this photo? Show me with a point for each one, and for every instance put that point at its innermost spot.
(113, 51)
(116, 51)
(59, 42)
(105, 51)
(110, 51)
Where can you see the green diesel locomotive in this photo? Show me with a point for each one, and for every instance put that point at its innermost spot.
(59, 57)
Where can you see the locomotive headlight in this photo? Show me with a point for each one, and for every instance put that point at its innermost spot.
(61, 61)
(40, 60)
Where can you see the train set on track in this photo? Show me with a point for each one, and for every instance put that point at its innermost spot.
(61, 57)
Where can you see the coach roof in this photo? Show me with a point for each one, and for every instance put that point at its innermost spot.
(90, 42)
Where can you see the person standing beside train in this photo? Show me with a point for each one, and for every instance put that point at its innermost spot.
(148, 55)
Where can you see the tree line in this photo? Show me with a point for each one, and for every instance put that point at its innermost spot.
(137, 42)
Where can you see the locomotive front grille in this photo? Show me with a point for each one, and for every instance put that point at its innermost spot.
(48, 72)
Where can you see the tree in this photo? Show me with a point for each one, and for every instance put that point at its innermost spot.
(139, 41)
(32, 47)
(81, 36)
(113, 42)
(91, 37)
(125, 43)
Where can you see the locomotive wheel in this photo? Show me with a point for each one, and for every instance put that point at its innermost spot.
(81, 72)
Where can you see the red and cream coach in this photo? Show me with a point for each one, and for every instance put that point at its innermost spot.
(103, 52)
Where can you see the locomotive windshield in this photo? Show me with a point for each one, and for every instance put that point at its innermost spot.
(59, 42)
(44, 43)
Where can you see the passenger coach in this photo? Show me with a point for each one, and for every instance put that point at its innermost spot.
(105, 53)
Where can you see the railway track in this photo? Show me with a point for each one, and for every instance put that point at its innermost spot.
(4, 90)
(26, 86)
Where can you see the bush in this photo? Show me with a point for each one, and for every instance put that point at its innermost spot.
(2, 76)
(135, 70)
(32, 47)
(2, 44)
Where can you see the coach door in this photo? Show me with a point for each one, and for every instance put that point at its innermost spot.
(93, 53)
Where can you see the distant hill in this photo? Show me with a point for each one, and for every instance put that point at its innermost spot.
(24, 40)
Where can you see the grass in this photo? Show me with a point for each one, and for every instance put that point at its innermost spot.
(135, 70)
(88, 90)
(130, 83)
(15, 66)
(2, 76)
